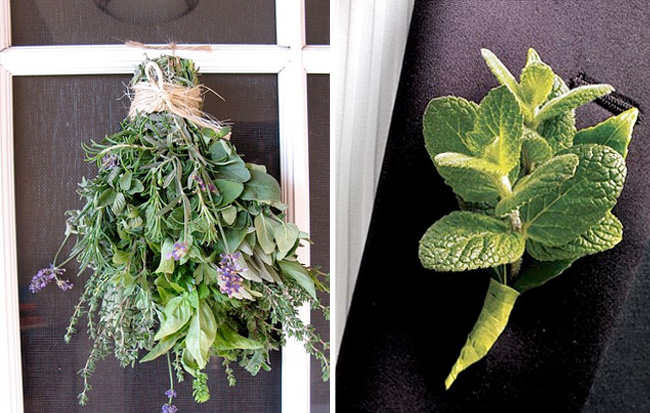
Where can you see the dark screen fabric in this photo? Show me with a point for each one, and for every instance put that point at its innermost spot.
(53, 117)
(407, 325)
(319, 205)
(317, 21)
(61, 22)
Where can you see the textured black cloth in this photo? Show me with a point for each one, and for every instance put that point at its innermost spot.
(406, 324)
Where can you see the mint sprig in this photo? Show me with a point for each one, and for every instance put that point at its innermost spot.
(536, 194)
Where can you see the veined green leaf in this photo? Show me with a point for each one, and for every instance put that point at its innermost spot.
(229, 214)
(534, 149)
(177, 313)
(166, 265)
(466, 241)
(545, 179)
(229, 190)
(264, 228)
(473, 179)
(162, 347)
(538, 273)
(581, 201)
(447, 121)
(201, 334)
(603, 236)
(572, 100)
(286, 236)
(229, 339)
(615, 132)
(500, 71)
(498, 130)
(536, 83)
(491, 322)
(299, 274)
(559, 130)
(532, 57)
(261, 187)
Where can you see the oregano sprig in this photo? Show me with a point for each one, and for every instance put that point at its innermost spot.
(535, 193)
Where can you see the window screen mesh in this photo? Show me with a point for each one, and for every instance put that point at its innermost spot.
(59, 22)
(53, 116)
(319, 186)
(317, 21)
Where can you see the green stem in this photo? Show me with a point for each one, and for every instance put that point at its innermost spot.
(171, 377)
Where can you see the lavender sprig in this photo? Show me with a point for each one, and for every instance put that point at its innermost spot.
(46, 275)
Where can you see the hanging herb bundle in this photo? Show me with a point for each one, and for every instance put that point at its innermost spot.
(189, 253)
(535, 194)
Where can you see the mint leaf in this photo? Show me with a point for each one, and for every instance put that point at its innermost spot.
(538, 273)
(603, 236)
(499, 128)
(615, 132)
(572, 100)
(534, 150)
(581, 201)
(473, 179)
(500, 71)
(532, 57)
(466, 241)
(536, 83)
(545, 179)
(559, 130)
(492, 320)
(447, 121)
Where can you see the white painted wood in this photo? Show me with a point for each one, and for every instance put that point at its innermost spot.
(10, 359)
(316, 59)
(294, 165)
(370, 41)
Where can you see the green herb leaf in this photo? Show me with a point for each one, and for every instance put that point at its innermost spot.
(235, 170)
(447, 121)
(201, 335)
(491, 322)
(177, 313)
(166, 265)
(229, 190)
(603, 236)
(545, 179)
(229, 339)
(261, 187)
(299, 274)
(536, 83)
(264, 228)
(465, 241)
(500, 71)
(572, 100)
(559, 130)
(229, 214)
(286, 236)
(581, 201)
(538, 273)
(498, 130)
(473, 179)
(615, 132)
(535, 150)
(161, 348)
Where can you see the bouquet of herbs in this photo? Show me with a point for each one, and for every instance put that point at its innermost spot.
(535, 194)
(189, 253)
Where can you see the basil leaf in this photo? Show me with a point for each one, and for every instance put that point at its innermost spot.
(229, 339)
(201, 334)
(177, 313)
(447, 121)
(473, 179)
(166, 265)
(162, 347)
(491, 322)
(581, 201)
(466, 241)
(546, 178)
(615, 132)
(603, 236)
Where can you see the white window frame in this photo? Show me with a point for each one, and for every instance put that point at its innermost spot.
(290, 59)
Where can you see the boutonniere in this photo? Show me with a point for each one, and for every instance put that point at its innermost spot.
(188, 255)
(535, 194)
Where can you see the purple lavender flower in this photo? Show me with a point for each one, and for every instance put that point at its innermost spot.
(200, 182)
(110, 162)
(229, 270)
(169, 408)
(45, 275)
(179, 251)
(203, 187)
(170, 393)
(212, 188)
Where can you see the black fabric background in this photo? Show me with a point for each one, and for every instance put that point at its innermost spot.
(406, 324)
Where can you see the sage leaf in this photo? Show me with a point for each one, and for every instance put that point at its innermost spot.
(538, 273)
(299, 274)
(615, 132)
(234, 170)
(261, 187)
(498, 130)
(603, 236)
(286, 236)
(572, 100)
(177, 313)
(447, 121)
(473, 179)
(581, 201)
(201, 334)
(466, 241)
(229, 214)
(229, 190)
(545, 179)
(491, 322)
(264, 230)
